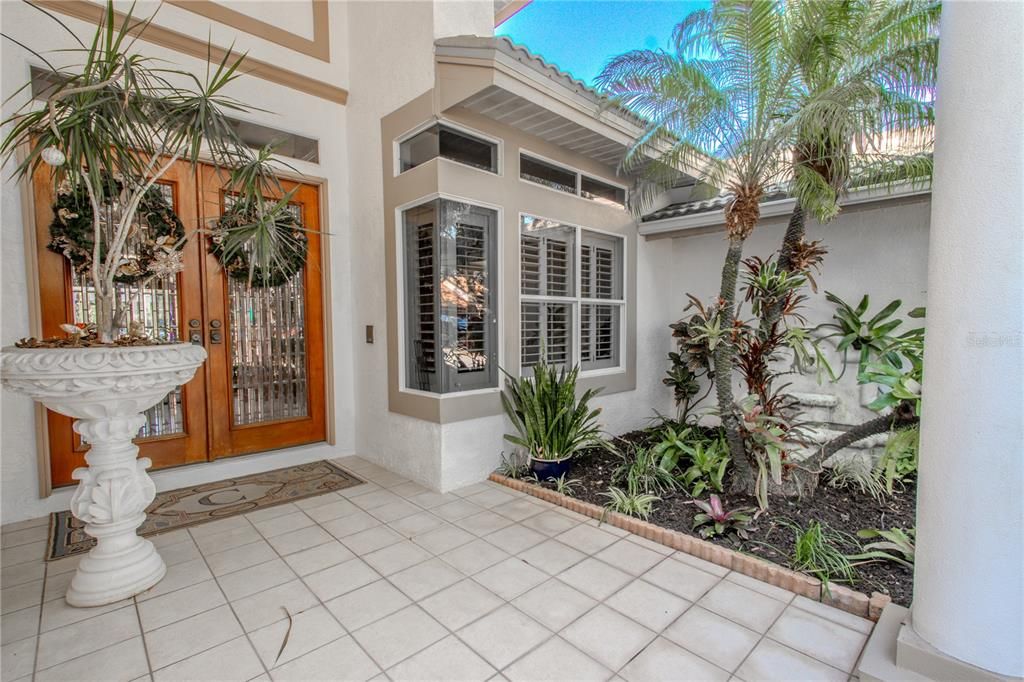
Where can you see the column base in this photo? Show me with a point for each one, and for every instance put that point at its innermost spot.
(895, 653)
(105, 578)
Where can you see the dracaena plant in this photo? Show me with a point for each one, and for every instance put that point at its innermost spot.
(715, 520)
(115, 124)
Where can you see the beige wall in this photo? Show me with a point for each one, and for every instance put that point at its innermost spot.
(510, 196)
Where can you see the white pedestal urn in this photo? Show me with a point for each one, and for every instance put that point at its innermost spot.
(105, 389)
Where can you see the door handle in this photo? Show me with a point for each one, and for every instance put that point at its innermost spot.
(215, 334)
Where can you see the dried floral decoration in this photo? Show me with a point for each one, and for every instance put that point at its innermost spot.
(85, 336)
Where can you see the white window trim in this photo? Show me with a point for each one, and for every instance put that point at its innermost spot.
(575, 301)
(572, 169)
(396, 144)
(400, 298)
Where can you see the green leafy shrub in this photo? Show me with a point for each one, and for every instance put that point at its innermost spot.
(895, 540)
(550, 422)
(817, 550)
(632, 501)
(899, 461)
(715, 520)
(641, 470)
(563, 486)
(702, 461)
(851, 474)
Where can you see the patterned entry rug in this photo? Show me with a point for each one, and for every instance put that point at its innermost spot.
(190, 506)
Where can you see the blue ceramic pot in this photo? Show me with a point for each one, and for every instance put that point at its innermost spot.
(544, 469)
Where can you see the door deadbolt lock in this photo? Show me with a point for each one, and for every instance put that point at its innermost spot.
(214, 324)
(195, 338)
(194, 323)
(215, 337)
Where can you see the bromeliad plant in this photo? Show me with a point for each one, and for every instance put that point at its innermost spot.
(702, 461)
(114, 126)
(551, 423)
(632, 501)
(714, 520)
(895, 544)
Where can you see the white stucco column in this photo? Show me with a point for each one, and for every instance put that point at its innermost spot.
(968, 595)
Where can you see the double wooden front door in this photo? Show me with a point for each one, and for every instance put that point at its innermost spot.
(262, 386)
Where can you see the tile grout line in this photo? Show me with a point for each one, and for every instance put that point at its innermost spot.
(142, 635)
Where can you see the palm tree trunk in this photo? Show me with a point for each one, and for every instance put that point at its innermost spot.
(743, 471)
(902, 417)
(790, 243)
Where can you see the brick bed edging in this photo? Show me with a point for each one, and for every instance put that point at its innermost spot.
(841, 597)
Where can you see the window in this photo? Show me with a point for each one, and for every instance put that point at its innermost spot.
(450, 297)
(566, 318)
(570, 181)
(446, 142)
(547, 174)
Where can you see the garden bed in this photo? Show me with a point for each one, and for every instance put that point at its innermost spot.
(847, 511)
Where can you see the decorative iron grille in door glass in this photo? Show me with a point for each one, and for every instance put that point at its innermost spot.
(155, 305)
(269, 380)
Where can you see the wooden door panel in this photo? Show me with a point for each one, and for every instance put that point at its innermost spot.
(60, 305)
(271, 344)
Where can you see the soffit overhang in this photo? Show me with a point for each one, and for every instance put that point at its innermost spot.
(495, 78)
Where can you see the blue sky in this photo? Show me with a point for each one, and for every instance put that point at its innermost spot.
(581, 35)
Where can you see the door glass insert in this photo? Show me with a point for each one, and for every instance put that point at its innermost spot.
(269, 379)
(155, 305)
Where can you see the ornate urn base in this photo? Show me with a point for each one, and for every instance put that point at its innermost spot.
(106, 389)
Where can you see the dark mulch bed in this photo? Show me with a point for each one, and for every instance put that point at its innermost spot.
(842, 510)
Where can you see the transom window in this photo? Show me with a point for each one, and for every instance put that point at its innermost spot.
(448, 143)
(571, 295)
(450, 297)
(570, 181)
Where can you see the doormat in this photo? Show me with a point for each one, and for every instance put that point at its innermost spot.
(186, 507)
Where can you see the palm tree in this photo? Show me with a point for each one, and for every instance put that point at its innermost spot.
(867, 71)
(716, 105)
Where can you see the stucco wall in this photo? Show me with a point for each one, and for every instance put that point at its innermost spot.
(879, 249)
(286, 109)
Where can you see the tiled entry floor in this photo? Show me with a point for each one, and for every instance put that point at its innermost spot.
(388, 577)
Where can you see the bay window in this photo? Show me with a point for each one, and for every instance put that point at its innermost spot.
(450, 297)
(571, 295)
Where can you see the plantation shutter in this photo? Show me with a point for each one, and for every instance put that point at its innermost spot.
(546, 329)
(600, 279)
(547, 262)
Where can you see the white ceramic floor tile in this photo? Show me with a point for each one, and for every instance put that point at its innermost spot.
(550, 523)
(272, 512)
(350, 524)
(255, 579)
(459, 509)
(309, 630)
(448, 659)
(186, 638)
(16, 659)
(283, 524)
(335, 509)
(607, 636)
(460, 604)
(58, 613)
(515, 539)
(228, 539)
(681, 579)
(367, 604)
(21, 596)
(185, 603)
(13, 538)
(519, 509)
(21, 574)
(697, 562)
(648, 604)
(474, 557)
(713, 637)
(19, 625)
(510, 578)
(844, 618)
(318, 558)
(554, 604)
(263, 608)
(417, 524)
(819, 638)
(554, 661)
(773, 662)
(764, 588)
(375, 499)
(504, 635)
(120, 662)
(587, 539)
(341, 659)
(296, 541)
(663, 660)
(179, 552)
(630, 557)
(443, 539)
(233, 660)
(746, 607)
(178, 576)
(595, 578)
(484, 523)
(425, 579)
(393, 511)
(87, 636)
(490, 498)
(32, 552)
(552, 557)
(400, 635)
(57, 585)
(397, 557)
(431, 499)
(337, 580)
(222, 563)
(371, 540)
